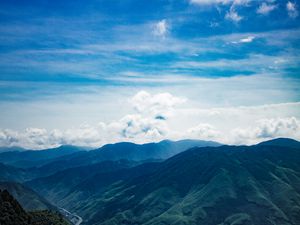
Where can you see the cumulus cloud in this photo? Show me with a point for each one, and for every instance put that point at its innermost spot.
(265, 9)
(292, 9)
(161, 28)
(267, 129)
(141, 128)
(203, 131)
(161, 104)
(155, 117)
(148, 123)
(37, 138)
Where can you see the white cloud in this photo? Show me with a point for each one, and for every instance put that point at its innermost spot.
(203, 131)
(267, 129)
(244, 40)
(140, 128)
(133, 127)
(161, 104)
(149, 123)
(214, 24)
(37, 138)
(292, 9)
(161, 28)
(233, 15)
(155, 117)
(265, 8)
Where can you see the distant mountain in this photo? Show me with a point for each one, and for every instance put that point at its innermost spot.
(12, 213)
(11, 149)
(282, 142)
(10, 173)
(160, 150)
(124, 150)
(29, 199)
(221, 185)
(31, 158)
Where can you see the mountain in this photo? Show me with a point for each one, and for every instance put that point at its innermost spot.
(211, 185)
(31, 158)
(12, 213)
(10, 173)
(60, 184)
(124, 150)
(282, 142)
(225, 185)
(160, 150)
(29, 199)
(11, 149)
(43, 163)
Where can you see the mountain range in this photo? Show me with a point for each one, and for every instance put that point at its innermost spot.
(31, 158)
(49, 161)
(184, 182)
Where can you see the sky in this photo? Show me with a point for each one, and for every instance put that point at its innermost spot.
(94, 72)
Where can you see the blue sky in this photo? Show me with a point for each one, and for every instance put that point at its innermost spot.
(69, 71)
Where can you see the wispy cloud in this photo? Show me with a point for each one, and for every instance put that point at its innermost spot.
(292, 9)
(233, 15)
(224, 2)
(244, 40)
(265, 8)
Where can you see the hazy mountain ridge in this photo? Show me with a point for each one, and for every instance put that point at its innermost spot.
(10, 173)
(31, 158)
(119, 151)
(71, 157)
(12, 149)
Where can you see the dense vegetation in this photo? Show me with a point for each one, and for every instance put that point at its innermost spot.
(12, 213)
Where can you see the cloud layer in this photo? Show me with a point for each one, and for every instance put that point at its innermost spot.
(152, 121)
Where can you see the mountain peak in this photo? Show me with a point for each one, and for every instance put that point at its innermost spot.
(282, 142)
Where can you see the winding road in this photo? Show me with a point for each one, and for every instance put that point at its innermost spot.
(72, 217)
